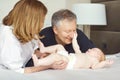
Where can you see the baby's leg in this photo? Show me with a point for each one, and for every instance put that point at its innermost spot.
(50, 49)
(47, 60)
(35, 59)
(75, 45)
(42, 47)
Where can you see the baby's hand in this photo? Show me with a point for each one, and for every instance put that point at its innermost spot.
(107, 63)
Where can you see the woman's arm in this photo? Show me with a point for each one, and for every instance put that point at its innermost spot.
(53, 61)
(56, 65)
(36, 69)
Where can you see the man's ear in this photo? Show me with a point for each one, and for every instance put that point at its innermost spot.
(55, 30)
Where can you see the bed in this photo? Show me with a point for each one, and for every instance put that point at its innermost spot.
(109, 73)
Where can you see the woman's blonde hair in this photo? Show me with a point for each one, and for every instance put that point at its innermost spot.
(27, 18)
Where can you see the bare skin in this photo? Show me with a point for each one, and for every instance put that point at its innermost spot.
(93, 58)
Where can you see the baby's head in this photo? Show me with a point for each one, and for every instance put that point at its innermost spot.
(96, 52)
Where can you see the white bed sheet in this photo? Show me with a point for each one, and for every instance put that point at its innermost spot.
(109, 73)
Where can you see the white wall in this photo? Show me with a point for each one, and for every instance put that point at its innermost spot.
(69, 3)
(5, 7)
(52, 5)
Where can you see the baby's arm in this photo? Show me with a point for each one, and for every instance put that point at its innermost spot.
(75, 45)
(102, 64)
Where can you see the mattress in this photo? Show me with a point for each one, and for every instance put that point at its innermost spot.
(108, 73)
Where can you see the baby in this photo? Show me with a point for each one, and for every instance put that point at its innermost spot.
(93, 58)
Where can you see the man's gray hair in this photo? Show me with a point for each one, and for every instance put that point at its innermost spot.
(62, 15)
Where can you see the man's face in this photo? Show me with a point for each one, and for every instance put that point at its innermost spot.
(64, 33)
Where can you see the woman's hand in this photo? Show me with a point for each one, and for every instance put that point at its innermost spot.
(59, 65)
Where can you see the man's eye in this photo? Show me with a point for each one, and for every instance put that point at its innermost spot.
(67, 31)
